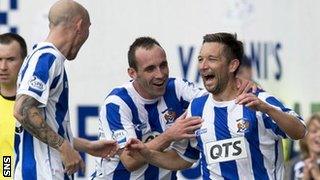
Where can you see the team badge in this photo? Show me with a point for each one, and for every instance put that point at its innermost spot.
(242, 125)
(169, 116)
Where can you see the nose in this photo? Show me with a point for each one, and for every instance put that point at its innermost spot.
(159, 73)
(3, 65)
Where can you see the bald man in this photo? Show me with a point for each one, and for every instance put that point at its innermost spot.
(47, 149)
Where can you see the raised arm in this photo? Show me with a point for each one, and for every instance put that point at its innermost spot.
(30, 116)
(287, 122)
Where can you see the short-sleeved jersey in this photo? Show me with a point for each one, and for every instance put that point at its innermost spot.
(7, 131)
(236, 142)
(43, 77)
(125, 114)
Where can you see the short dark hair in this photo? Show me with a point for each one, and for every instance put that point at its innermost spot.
(8, 38)
(233, 49)
(144, 42)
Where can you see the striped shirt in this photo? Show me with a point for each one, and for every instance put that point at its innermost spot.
(236, 142)
(43, 77)
(125, 114)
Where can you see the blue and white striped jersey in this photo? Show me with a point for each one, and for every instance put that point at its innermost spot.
(125, 114)
(43, 77)
(236, 142)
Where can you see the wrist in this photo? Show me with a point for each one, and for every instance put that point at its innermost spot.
(167, 137)
(61, 144)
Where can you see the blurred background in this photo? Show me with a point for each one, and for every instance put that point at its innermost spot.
(280, 44)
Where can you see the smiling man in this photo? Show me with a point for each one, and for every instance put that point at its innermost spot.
(147, 108)
(240, 137)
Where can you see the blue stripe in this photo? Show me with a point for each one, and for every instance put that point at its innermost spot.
(16, 148)
(62, 105)
(29, 168)
(197, 107)
(152, 172)
(171, 99)
(121, 173)
(55, 82)
(273, 101)
(229, 169)
(113, 117)
(153, 117)
(269, 124)
(173, 175)
(42, 70)
(191, 152)
(252, 136)
(94, 175)
(66, 177)
(123, 94)
(29, 57)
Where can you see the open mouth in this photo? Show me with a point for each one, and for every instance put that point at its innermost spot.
(209, 77)
(159, 84)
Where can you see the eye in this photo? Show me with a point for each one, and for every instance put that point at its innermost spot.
(149, 69)
(200, 59)
(11, 59)
(163, 65)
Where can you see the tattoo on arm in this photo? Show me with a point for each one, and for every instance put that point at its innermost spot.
(32, 120)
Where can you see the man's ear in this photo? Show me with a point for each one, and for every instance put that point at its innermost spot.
(233, 65)
(132, 73)
(79, 24)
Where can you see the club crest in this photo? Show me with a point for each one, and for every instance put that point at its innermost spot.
(242, 125)
(169, 116)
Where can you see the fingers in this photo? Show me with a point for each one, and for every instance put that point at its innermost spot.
(191, 121)
(74, 166)
(245, 98)
(242, 86)
(192, 129)
(183, 116)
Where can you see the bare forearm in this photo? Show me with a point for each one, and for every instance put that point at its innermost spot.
(288, 123)
(159, 143)
(29, 115)
(168, 160)
(81, 144)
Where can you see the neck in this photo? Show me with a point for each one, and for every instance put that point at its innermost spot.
(8, 90)
(61, 39)
(229, 93)
(140, 90)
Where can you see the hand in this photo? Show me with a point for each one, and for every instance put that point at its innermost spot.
(183, 127)
(71, 158)
(103, 148)
(311, 168)
(252, 101)
(245, 85)
(135, 147)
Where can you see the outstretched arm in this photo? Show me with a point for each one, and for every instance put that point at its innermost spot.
(182, 128)
(168, 159)
(26, 111)
(99, 148)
